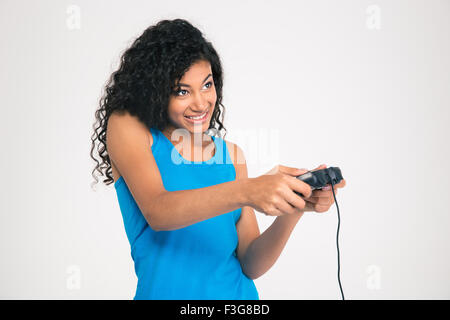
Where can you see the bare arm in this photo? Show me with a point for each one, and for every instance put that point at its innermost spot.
(262, 252)
(178, 209)
(257, 252)
(265, 249)
(129, 147)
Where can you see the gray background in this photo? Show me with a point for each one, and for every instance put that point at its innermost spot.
(339, 84)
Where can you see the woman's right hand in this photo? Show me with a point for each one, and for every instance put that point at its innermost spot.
(273, 193)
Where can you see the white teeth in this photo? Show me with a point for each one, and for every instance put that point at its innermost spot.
(197, 118)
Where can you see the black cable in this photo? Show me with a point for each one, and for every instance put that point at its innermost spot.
(337, 241)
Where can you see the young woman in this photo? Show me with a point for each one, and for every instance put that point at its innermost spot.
(186, 200)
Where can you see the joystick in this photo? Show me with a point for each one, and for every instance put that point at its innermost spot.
(320, 178)
(317, 180)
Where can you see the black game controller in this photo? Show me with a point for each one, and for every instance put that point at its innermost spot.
(320, 178)
(317, 180)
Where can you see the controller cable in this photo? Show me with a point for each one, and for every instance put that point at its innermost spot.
(337, 241)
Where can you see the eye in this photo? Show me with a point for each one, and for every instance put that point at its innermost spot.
(178, 92)
(210, 83)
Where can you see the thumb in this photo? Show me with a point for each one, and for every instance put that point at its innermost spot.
(295, 172)
(322, 166)
(301, 171)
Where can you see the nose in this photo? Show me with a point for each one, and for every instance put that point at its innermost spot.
(199, 104)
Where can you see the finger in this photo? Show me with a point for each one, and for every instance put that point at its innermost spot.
(329, 186)
(322, 201)
(322, 198)
(300, 186)
(286, 207)
(309, 207)
(341, 184)
(276, 212)
(294, 200)
(273, 211)
(321, 209)
(322, 166)
(312, 200)
(295, 172)
(325, 201)
(323, 193)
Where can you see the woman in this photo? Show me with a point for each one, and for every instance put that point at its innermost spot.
(188, 207)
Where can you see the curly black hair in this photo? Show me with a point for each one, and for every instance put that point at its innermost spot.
(149, 72)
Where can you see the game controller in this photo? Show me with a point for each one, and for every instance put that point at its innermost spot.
(321, 178)
(317, 180)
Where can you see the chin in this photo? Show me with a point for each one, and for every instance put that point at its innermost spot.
(204, 128)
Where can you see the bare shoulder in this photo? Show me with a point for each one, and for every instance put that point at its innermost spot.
(120, 120)
(130, 152)
(238, 158)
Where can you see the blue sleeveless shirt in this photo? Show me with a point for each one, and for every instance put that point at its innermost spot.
(195, 262)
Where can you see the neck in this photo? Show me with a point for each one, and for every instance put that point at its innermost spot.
(196, 139)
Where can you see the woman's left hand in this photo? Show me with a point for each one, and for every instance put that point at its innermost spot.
(321, 200)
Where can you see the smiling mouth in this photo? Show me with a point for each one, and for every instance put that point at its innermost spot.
(199, 118)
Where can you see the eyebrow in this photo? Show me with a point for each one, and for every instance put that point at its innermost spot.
(186, 85)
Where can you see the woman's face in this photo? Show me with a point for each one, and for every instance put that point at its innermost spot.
(195, 97)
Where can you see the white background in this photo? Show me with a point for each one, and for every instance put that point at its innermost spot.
(362, 85)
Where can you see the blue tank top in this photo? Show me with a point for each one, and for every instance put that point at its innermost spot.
(195, 262)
